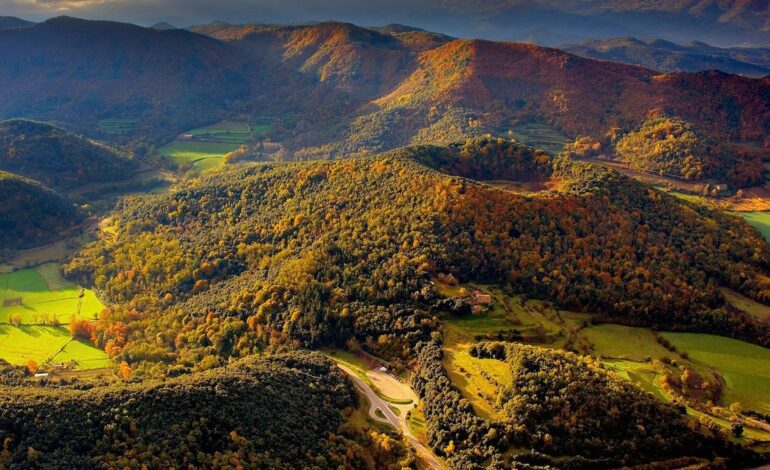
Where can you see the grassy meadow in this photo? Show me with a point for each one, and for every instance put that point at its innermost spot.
(760, 221)
(48, 344)
(745, 367)
(216, 140)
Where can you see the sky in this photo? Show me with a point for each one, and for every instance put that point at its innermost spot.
(426, 13)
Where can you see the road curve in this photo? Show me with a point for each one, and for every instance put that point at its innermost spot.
(422, 451)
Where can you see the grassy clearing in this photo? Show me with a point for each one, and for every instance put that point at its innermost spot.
(48, 344)
(416, 421)
(744, 366)
(44, 295)
(478, 380)
(758, 220)
(201, 155)
(746, 304)
(541, 136)
(624, 342)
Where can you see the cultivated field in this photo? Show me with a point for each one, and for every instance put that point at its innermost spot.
(42, 296)
(48, 344)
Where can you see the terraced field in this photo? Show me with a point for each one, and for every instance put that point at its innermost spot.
(541, 136)
(117, 126)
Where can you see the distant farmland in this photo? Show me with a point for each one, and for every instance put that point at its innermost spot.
(204, 148)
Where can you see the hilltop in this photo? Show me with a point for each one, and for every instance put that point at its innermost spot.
(31, 214)
(340, 89)
(58, 158)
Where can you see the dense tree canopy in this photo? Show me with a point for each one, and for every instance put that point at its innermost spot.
(285, 411)
(318, 253)
(31, 214)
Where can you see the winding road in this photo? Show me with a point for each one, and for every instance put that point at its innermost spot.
(397, 422)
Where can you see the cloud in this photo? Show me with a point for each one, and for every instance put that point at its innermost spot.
(56, 5)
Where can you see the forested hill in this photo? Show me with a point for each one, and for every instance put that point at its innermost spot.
(281, 412)
(58, 158)
(31, 214)
(319, 253)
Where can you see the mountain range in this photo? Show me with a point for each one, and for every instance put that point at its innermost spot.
(666, 56)
(358, 90)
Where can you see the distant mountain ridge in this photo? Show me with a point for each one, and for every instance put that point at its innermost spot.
(353, 90)
(11, 22)
(666, 56)
(551, 22)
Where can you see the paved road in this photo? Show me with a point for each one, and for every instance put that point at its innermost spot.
(423, 452)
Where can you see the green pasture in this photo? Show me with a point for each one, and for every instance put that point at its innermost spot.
(201, 155)
(624, 342)
(745, 304)
(744, 366)
(44, 344)
(44, 294)
(85, 355)
(760, 221)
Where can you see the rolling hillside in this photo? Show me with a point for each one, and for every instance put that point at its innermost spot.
(321, 252)
(58, 158)
(31, 214)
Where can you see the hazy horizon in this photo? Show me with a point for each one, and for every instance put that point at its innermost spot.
(543, 21)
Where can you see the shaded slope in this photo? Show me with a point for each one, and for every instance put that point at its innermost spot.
(31, 214)
(58, 158)
(86, 70)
